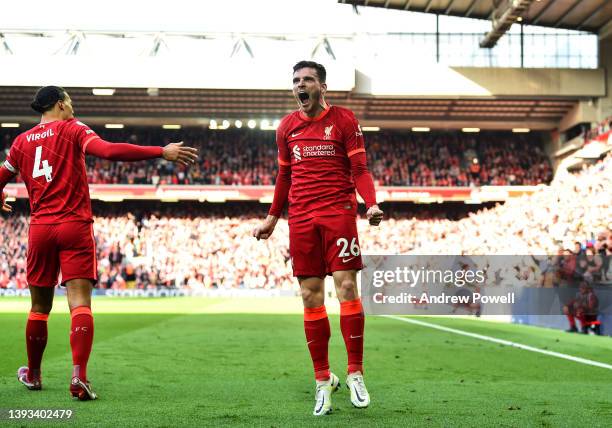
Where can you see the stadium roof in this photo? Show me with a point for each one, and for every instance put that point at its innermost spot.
(198, 106)
(585, 15)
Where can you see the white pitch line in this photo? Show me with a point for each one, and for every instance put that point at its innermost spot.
(503, 342)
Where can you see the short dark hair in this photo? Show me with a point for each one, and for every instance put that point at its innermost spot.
(46, 97)
(321, 72)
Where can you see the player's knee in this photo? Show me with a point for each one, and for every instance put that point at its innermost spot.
(311, 297)
(347, 289)
(307, 294)
(42, 308)
(76, 300)
(75, 303)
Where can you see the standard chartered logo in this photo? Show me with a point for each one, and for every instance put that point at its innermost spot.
(296, 153)
(313, 151)
(319, 150)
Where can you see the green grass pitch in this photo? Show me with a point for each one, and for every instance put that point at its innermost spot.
(173, 362)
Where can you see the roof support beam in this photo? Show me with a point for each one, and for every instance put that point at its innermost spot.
(567, 12)
(591, 16)
(73, 43)
(471, 8)
(428, 6)
(325, 43)
(503, 17)
(605, 31)
(449, 7)
(241, 43)
(5, 45)
(542, 11)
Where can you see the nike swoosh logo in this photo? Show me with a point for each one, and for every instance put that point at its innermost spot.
(296, 134)
(361, 400)
(322, 403)
(347, 260)
(308, 343)
(355, 337)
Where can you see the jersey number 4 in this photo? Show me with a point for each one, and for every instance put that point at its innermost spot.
(46, 169)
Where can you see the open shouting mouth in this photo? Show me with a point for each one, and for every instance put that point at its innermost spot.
(304, 98)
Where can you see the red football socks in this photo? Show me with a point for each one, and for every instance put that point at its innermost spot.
(352, 323)
(81, 339)
(316, 327)
(36, 341)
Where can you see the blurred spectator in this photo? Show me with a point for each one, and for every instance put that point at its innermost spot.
(248, 157)
(599, 132)
(210, 246)
(585, 308)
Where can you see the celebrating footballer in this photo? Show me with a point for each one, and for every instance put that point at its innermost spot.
(322, 160)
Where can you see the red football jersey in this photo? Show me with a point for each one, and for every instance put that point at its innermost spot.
(51, 160)
(318, 151)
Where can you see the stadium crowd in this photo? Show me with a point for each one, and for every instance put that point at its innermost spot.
(213, 248)
(601, 130)
(451, 159)
(248, 157)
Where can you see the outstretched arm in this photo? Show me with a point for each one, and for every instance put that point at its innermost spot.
(174, 152)
(5, 177)
(120, 151)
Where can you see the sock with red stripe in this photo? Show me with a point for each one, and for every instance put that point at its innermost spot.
(36, 341)
(81, 339)
(316, 327)
(352, 322)
(572, 321)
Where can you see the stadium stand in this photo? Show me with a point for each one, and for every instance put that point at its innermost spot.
(599, 132)
(213, 248)
(248, 157)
